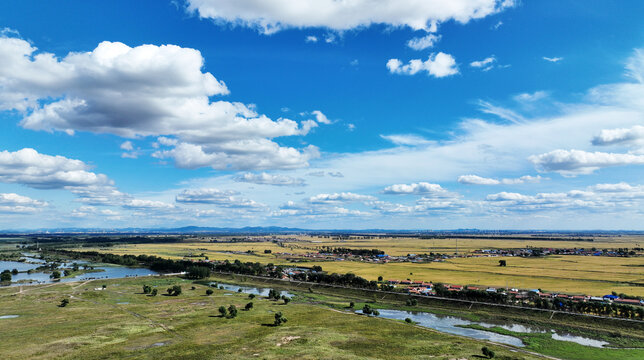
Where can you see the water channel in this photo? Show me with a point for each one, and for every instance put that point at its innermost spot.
(101, 271)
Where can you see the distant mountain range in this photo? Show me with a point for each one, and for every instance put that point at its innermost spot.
(286, 230)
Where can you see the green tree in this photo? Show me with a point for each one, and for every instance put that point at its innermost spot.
(63, 303)
(248, 306)
(274, 294)
(209, 292)
(66, 272)
(352, 304)
(5, 277)
(279, 319)
(232, 311)
(286, 299)
(147, 289)
(408, 320)
(198, 272)
(251, 296)
(14, 272)
(154, 292)
(55, 275)
(223, 311)
(379, 278)
(176, 290)
(487, 352)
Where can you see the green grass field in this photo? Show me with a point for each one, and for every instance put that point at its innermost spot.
(121, 322)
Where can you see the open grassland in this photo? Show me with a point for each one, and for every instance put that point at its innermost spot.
(589, 275)
(625, 340)
(121, 322)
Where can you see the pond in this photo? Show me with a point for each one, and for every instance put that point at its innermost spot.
(39, 277)
(448, 324)
(251, 290)
(555, 335)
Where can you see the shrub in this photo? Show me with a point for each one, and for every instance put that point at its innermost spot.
(487, 352)
(248, 306)
(279, 319)
(232, 311)
(209, 292)
(176, 290)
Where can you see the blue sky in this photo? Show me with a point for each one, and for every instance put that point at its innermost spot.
(490, 114)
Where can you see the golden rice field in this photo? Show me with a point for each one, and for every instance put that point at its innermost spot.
(570, 274)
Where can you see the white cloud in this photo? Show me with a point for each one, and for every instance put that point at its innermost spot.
(140, 204)
(320, 117)
(479, 146)
(406, 139)
(90, 211)
(335, 174)
(143, 91)
(438, 65)
(222, 198)
(602, 197)
(311, 39)
(552, 59)
(530, 97)
(330, 38)
(129, 153)
(478, 180)
(256, 154)
(11, 203)
(339, 197)
(127, 146)
(270, 16)
(486, 63)
(623, 136)
(100, 195)
(422, 188)
(422, 43)
(316, 173)
(501, 112)
(315, 211)
(497, 25)
(40, 171)
(270, 179)
(576, 162)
